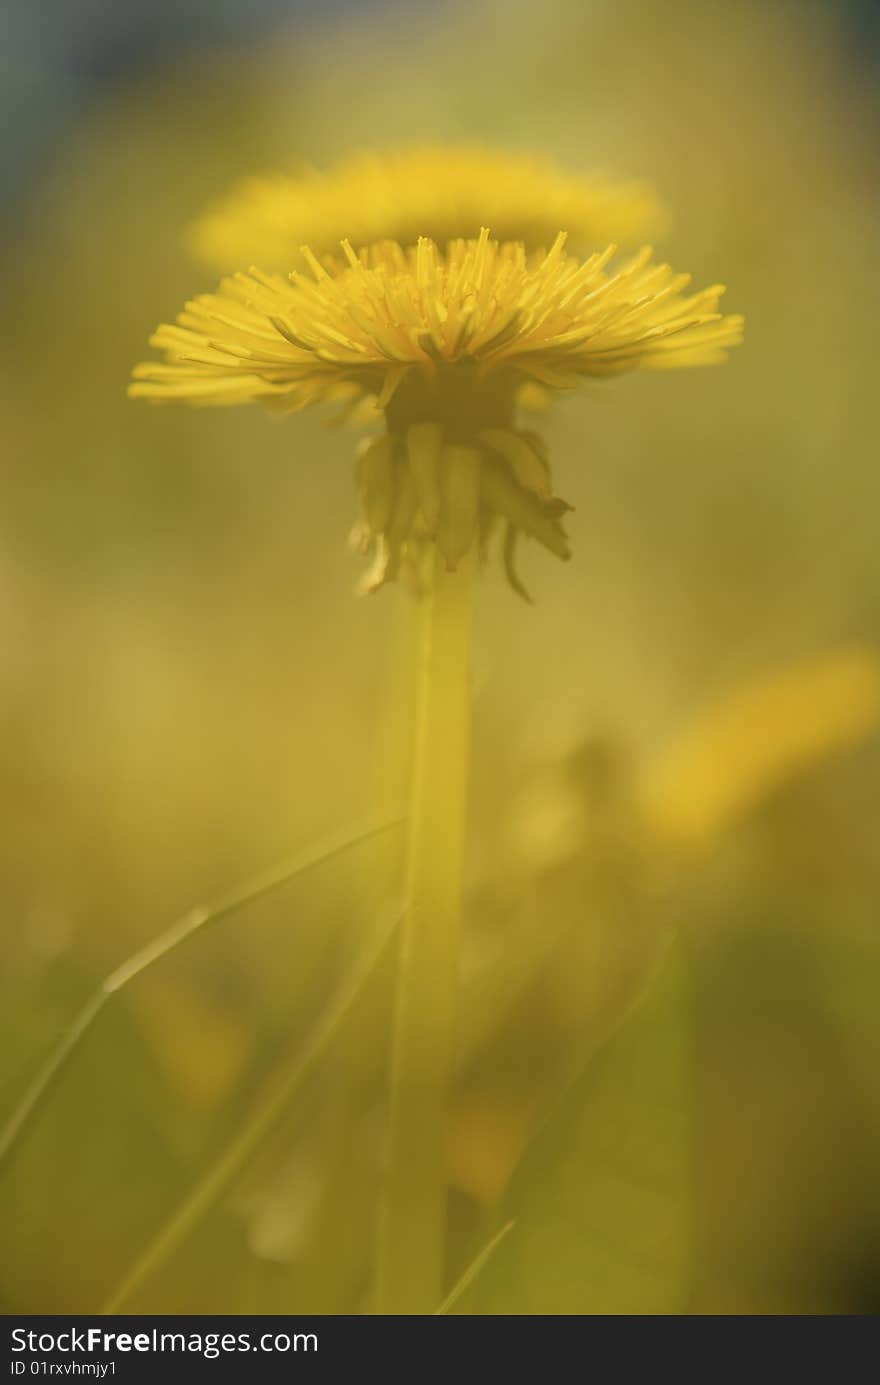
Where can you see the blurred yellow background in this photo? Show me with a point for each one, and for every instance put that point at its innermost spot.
(681, 733)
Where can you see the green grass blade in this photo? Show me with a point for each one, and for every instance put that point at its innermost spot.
(185, 928)
(262, 1122)
(474, 1269)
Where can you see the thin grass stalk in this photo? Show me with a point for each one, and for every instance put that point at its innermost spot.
(263, 1120)
(473, 1272)
(180, 932)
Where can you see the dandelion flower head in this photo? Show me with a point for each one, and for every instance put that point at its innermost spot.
(441, 342)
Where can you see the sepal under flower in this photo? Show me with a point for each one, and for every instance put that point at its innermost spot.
(419, 487)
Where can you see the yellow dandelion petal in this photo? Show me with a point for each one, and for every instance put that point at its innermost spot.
(549, 317)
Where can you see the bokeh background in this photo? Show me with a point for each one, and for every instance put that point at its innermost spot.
(681, 737)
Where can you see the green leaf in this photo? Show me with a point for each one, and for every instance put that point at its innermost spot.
(601, 1200)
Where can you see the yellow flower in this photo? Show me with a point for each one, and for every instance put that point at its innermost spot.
(762, 734)
(443, 342)
(442, 193)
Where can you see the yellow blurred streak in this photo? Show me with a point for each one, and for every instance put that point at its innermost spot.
(485, 1141)
(759, 736)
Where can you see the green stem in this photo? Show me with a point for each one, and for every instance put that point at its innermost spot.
(413, 1234)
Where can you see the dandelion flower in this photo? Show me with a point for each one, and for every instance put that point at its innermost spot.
(442, 342)
(442, 193)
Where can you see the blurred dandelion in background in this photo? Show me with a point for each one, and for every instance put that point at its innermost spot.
(441, 192)
(680, 739)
